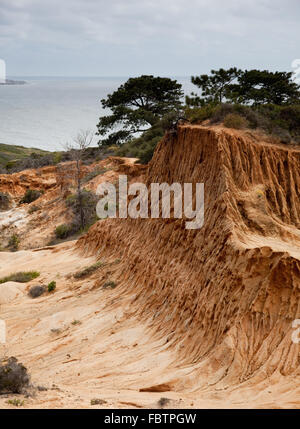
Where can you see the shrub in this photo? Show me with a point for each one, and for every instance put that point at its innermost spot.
(36, 291)
(15, 402)
(76, 322)
(71, 200)
(143, 147)
(56, 331)
(163, 401)
(280, 121)
(254, 118)
(199, 114)
(5, 201)
(33, 209)
(30, 196)
(57, 157)
(42, 388)
(14, 243)
(145, 155)
(88, 270)
(66, 230)
(96, 172)
(35, 160)
(88, 203)
(221, 111)
(13, 376)
(98, 402)
(109, 285)
(284, 117)
(10, 165)
(283, 135)
(63, 231)
(20, 277)
(233, 120)
(51, 286)
(291, 116)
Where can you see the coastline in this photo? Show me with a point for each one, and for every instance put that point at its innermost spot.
(13, 82)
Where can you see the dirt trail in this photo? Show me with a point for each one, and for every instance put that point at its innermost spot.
(201, 317)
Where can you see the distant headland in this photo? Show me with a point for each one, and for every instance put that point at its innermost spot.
(12, 82)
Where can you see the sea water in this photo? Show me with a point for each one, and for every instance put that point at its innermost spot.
(46, 113)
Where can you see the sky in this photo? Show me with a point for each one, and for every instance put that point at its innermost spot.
(134, 37)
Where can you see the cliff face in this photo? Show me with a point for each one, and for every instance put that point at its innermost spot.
(16, 184)
(36, 228)
(223, 297)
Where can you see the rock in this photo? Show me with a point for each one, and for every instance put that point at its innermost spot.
(10, 291)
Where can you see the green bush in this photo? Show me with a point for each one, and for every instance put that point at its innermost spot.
(94, 173)
(98, 401)
(88, 203)
(20, 277)
(88, 200)
(143, 147)
(199, 114)
(63, 231)
(51, 286)
(233, 120)
(10, 165)
(15, 402)
(251, 114)
(145, 154)
(221, 111)
(109, 285)
(14, 243)
(30, 196)
(88, 270)
(71, 200)
(57, 157)
(291, 117)
(280, 121)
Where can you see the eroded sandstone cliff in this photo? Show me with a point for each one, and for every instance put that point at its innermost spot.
(224, 297)
(201, 317)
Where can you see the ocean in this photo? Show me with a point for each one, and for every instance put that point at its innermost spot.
(46, 112)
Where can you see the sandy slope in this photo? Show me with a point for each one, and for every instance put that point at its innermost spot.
(111, 354)
(201, 317)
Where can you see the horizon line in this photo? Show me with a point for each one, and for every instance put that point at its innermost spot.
(91, 76)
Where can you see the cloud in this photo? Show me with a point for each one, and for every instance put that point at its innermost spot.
(163, 29)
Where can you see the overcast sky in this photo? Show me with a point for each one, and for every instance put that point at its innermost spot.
(131, 37)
